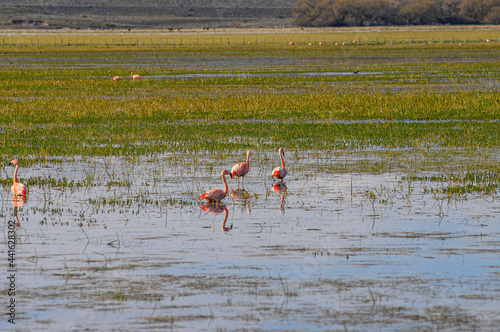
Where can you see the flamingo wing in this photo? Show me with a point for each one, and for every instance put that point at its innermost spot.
(240, 169)
(19, 189)
(279, 172)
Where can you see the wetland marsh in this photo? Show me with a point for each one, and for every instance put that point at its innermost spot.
(389, 218)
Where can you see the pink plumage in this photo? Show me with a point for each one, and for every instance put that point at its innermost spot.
(17, 188)
(134, 76)
(279, 172)
(241, 169)
(216, 195)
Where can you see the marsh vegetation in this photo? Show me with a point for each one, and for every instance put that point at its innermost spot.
(388, 219)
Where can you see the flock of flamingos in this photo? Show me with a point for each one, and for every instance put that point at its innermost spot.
(212, 196)
(132, 76)
(239, 170)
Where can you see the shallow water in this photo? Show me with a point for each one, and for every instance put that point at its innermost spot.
(331, 252)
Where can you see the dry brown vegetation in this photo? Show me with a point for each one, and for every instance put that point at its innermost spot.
(211, 14)
(395, 12)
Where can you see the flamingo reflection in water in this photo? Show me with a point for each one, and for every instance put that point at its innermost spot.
(241, 195)
(281, 188)
(217, 208)
(17, 201)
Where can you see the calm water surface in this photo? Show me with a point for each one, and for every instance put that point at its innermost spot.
(327, 251)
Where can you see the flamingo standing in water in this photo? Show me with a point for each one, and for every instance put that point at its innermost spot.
(134, 77)
(241, 169)
(216, 195)
(18, 189)
(116, 78)
(279, 172)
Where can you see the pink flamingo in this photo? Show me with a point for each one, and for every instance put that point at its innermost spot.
(279, 172)
(18, 189)
(216, 195)
(241, 169)
(134, 77)
(116, 78)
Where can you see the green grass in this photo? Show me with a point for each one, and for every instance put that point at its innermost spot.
(58, 101)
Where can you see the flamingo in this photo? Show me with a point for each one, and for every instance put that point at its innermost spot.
(18, 189)
(216, 195)
(279, 172)
(134, 77)
(241, 169)
(116, 78)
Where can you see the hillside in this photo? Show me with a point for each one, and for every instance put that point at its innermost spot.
(144, 13)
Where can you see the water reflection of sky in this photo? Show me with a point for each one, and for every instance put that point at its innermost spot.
(324, 231)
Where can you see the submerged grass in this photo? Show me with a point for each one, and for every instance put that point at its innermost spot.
(485, 182)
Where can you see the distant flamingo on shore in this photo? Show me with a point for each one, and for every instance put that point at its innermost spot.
(134, 76)
(279, 172)
(116, 78)
(216, 195)
(18, 188)
(241, 169)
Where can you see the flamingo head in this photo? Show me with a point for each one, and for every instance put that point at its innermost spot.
(280, 151)
(14, 162)
(224, 172)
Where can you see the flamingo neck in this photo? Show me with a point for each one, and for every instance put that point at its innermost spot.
(15, 174)
(282, 161)
(225, 185)
(248, 159)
